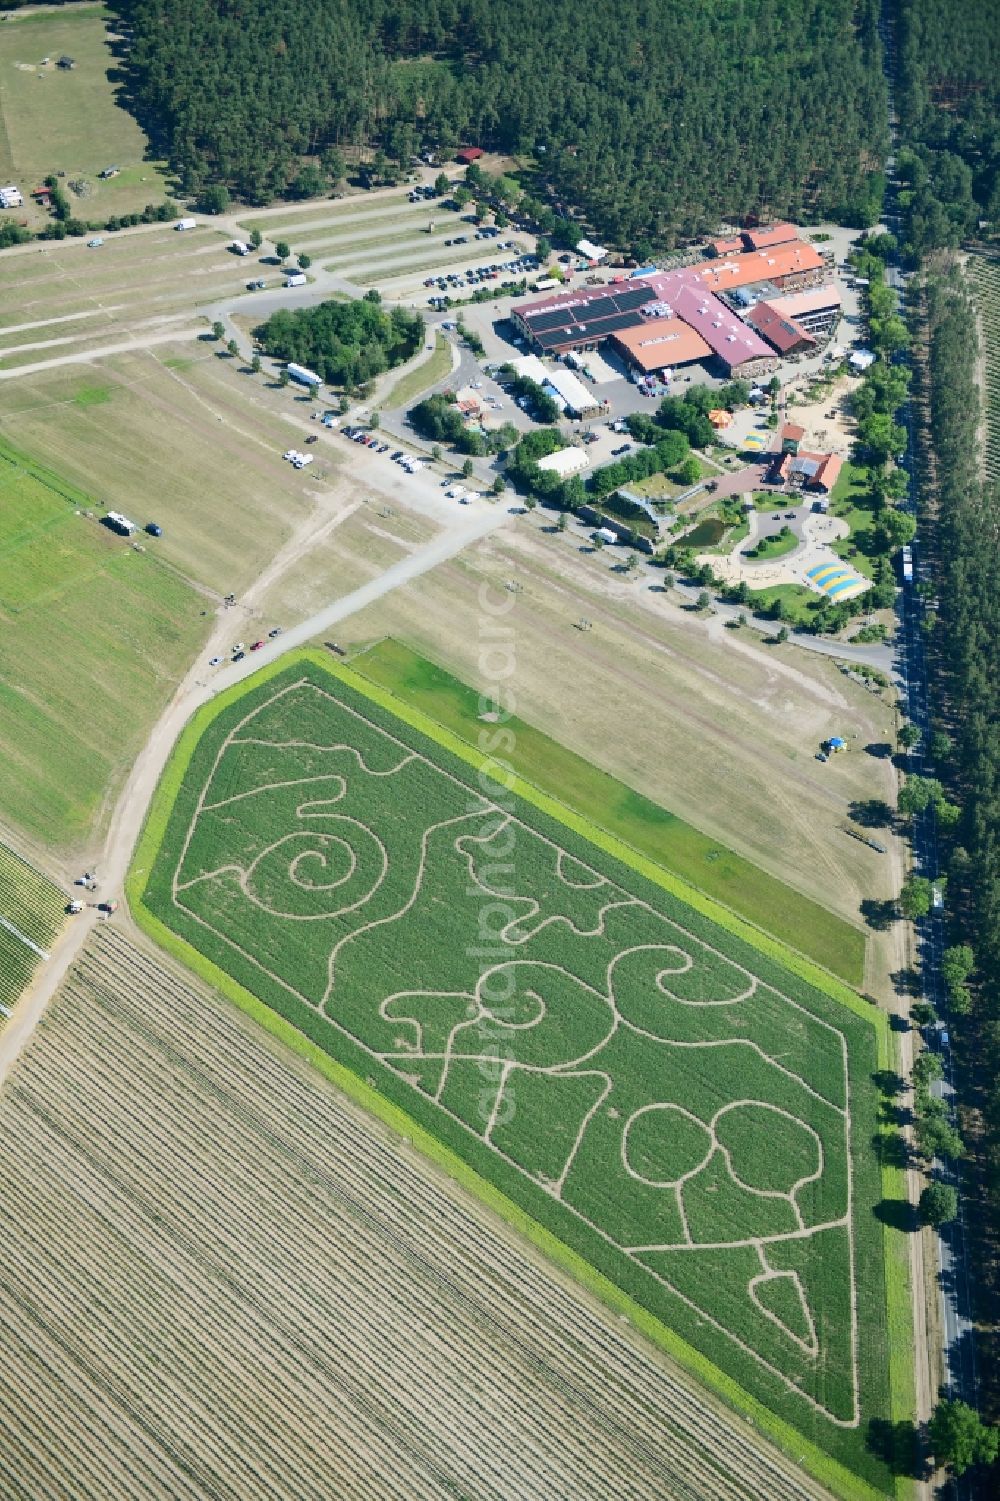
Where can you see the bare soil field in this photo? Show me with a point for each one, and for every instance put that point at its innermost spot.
(828, 423)
(246, 1288)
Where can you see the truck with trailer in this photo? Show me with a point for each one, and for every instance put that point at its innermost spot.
(302, 376)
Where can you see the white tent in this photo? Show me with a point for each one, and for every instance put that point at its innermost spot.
(564, 462)
(571, 391)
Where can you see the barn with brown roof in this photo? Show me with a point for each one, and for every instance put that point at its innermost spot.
(781, 333)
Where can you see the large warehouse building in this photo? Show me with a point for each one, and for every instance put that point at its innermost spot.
(582, 319)
(654, 322)
(814, 311)
(659, 344)
(787, 267)
(786, 336)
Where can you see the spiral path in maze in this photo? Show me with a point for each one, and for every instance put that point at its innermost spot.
(610, 1047)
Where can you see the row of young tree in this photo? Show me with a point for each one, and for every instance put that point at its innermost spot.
(650, 125)
(960, 530)
(948, 96)
(964, 523)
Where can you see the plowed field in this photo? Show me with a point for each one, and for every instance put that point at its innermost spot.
(220, 1280)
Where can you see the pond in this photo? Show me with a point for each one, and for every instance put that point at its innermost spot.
(706, 534)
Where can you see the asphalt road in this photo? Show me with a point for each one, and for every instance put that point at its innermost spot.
(961, 1378)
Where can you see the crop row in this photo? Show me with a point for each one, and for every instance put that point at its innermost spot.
(28, 899)
(278, 1299)
(17, 965)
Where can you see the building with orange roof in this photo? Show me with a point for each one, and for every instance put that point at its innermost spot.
(658, 343)
(732, 246)
(785, 266)
(828, 472)
(813, 471)
(791, 437)
(775, 234)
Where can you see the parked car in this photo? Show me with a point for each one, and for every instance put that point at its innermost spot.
(275, 632)
(257, 646)
(95, 243)
(238, 656)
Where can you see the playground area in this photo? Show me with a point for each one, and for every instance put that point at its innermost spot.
(811, 563)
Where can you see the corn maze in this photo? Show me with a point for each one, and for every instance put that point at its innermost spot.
(691, 1118)
(31, 914)
(984, 277)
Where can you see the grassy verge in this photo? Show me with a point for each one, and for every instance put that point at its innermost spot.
(848, 502)
(426, 374)
(663, 487)
(627, 815)
(800, 603)
(769, 548)
(864, 1030)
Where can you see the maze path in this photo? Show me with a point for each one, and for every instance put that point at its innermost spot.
(561, 1001)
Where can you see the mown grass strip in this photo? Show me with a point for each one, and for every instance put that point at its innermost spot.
(47, 477)
(820, 1464)
(420, 379)
(639, 823)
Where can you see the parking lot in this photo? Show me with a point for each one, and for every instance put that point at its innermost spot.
(506, 273)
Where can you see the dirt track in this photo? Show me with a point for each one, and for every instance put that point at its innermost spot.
(201, 684)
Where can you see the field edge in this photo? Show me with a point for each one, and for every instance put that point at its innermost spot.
(855, 981)
(822, 1466)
